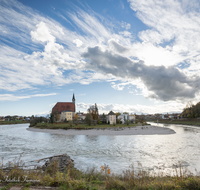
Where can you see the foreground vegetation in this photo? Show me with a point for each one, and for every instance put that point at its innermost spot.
(70, 125)
(94, 179)
(194, 122)
(13, 122)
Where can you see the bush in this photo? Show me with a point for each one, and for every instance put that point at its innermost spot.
(70, 123)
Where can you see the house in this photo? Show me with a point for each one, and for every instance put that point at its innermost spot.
(64, 107)
(66, 116)
(132, 118)
(2, 119)
(111, 117)
(81, 115)
(123, 117)
(165, 116)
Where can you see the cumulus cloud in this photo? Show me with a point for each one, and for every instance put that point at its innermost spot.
(42, 33)
(164, 63)
(78, 42)
(118, 48)
(163, 83)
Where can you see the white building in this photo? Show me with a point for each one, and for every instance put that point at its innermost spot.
(111, 117)
(123, 118)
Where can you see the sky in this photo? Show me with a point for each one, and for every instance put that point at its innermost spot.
(124, 55)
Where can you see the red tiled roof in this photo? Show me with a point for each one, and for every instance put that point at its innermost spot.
(63, 106)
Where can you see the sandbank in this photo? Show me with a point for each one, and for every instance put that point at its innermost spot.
(138, 130)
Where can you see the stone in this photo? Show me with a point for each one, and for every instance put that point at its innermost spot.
(63, 161)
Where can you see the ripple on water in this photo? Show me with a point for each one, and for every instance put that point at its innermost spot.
(119, 152)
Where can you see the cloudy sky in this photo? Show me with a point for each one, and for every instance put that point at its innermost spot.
(125, 55)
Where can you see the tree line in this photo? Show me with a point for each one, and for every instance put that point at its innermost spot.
(191, 110)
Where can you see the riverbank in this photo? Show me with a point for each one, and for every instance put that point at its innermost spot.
(193, 122)
(13, 122)
(95, 179)
(132, 130)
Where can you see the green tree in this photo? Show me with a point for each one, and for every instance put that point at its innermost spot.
(103, 118)
(88, 119)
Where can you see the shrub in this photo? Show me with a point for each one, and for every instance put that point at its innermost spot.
(70, 123)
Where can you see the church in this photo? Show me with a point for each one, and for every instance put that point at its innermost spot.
(64, 111)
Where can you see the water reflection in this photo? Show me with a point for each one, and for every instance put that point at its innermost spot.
(119, 152)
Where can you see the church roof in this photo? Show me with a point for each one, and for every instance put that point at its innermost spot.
(63, 106)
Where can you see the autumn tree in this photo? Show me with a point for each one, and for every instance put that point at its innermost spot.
(76, 117)
(117, 114)
(191, 110)
(93, 110)
(125, 113)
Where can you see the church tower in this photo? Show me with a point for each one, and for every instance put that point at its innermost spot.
(73, 101)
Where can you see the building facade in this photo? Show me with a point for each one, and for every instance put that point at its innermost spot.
(64, 110)
(111, 117)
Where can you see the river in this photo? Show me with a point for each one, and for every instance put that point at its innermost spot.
(153, 152)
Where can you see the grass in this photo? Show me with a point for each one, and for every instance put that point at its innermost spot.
(80, 126)
(102, 178)
(13, 122)
(194, 122)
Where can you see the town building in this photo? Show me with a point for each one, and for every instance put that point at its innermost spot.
(132, 118)
(111, 117)
(66, 116)
(123, 117)
(63, 110)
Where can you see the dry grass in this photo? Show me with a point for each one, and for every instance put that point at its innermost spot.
(103, 178)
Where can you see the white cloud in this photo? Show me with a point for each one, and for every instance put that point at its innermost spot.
(125, 25)
(172, 40)
(11, 97)
(78, 42)
(139, 109)
(42, 33)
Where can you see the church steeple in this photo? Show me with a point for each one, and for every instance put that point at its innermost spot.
(73, 99)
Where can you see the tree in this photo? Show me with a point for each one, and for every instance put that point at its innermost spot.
(118, 121)
(125, 113)
(93, 110)
(52, 118)
(88, 119)
(117, 114)
(103, 118)
(76, 117)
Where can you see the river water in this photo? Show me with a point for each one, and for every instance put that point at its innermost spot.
(153, 152)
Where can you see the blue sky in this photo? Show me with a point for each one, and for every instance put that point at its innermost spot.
(135, 56)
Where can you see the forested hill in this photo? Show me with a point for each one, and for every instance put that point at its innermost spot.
(191, 110)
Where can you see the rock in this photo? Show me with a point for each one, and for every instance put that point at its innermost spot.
(63, 162)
